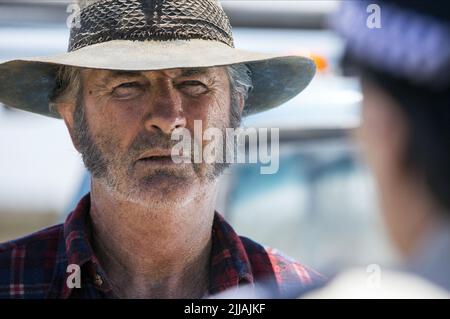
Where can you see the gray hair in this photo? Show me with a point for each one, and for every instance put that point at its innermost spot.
(240, 79)
(240, 84)
(68, 87)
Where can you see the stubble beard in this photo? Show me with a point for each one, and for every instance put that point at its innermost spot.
(158, 188)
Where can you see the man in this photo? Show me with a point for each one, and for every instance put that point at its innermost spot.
(136, 72)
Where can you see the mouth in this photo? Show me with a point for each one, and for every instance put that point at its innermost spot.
(158, 159)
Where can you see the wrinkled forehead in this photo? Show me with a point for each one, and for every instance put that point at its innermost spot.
(173, 73)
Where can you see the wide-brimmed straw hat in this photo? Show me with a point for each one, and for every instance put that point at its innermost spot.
(145, 35)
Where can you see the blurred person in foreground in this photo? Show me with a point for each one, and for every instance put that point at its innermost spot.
(136, 71)
(405, 137)
(404, 68)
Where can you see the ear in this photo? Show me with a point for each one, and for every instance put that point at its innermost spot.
(67, 110)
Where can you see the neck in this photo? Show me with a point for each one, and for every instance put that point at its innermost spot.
(410, 212)
(151, 252)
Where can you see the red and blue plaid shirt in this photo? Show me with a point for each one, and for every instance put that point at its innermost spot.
(36, 266)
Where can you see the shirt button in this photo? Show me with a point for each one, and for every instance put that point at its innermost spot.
(98, 280)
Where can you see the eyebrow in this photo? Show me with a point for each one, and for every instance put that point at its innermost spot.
(186, 72)
(119, 73)
(193, 71)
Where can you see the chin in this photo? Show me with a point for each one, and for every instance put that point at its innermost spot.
(161, 190)
(162, 200)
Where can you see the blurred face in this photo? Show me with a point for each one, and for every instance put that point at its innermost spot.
(123, 124)
(380, 131)
(383, 138)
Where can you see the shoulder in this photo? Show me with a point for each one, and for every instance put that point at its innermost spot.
(35, 244)
(357, 283)
(27, 263)
(286, 271)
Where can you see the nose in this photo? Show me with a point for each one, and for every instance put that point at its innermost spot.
(166, 112)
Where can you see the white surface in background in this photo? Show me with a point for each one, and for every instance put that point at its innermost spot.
(39, 167)
(329, 102)
(292, 7)
(30, 42)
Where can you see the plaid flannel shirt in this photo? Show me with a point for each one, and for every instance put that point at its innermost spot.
(36, 266)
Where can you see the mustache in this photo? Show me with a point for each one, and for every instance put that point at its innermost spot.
(146, 141)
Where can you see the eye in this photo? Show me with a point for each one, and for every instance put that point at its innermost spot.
(128, 90)
(193, 87)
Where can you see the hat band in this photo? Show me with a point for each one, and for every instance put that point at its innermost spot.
(141, 20)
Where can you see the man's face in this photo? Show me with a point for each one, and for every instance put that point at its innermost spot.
(123, 124)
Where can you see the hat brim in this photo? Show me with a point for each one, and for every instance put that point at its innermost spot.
(27, 83)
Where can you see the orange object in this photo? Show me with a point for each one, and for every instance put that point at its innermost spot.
(320, 61)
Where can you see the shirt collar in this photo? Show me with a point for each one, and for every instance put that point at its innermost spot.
(230, 265)
(229, 261)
